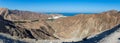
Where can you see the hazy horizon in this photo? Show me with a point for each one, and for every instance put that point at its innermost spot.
(84, 6)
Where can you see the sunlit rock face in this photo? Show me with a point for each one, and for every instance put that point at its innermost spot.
(81, 26)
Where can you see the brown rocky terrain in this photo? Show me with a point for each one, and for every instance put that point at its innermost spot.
(21, 15)
(81, 26)
(25, 24)
(23, 28)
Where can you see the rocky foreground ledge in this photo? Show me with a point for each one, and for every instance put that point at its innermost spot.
(26, 26)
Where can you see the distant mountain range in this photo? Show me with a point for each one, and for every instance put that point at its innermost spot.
(26, 24)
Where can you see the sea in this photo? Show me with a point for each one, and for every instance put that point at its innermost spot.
(70, 14)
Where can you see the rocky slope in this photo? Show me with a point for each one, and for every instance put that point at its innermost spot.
(37, 29)
(81, 26)
(25, 24)
(21, 15)
(109, 36)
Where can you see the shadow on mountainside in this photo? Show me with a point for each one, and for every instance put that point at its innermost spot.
(98, 37)
(4, 23)
(4, 39)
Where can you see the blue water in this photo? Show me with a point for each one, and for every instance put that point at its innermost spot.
(70, 14)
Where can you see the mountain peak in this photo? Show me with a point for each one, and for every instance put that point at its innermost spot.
(21, 15)
(112, 11)
(3, 9)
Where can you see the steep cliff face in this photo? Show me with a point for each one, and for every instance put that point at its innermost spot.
(81, 26)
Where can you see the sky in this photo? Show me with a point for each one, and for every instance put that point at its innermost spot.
(61, 5)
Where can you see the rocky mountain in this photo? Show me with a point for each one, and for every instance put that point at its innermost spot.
(82, 26)
(21, 15)
(26, 24)
(23, 28)
(109, 36)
